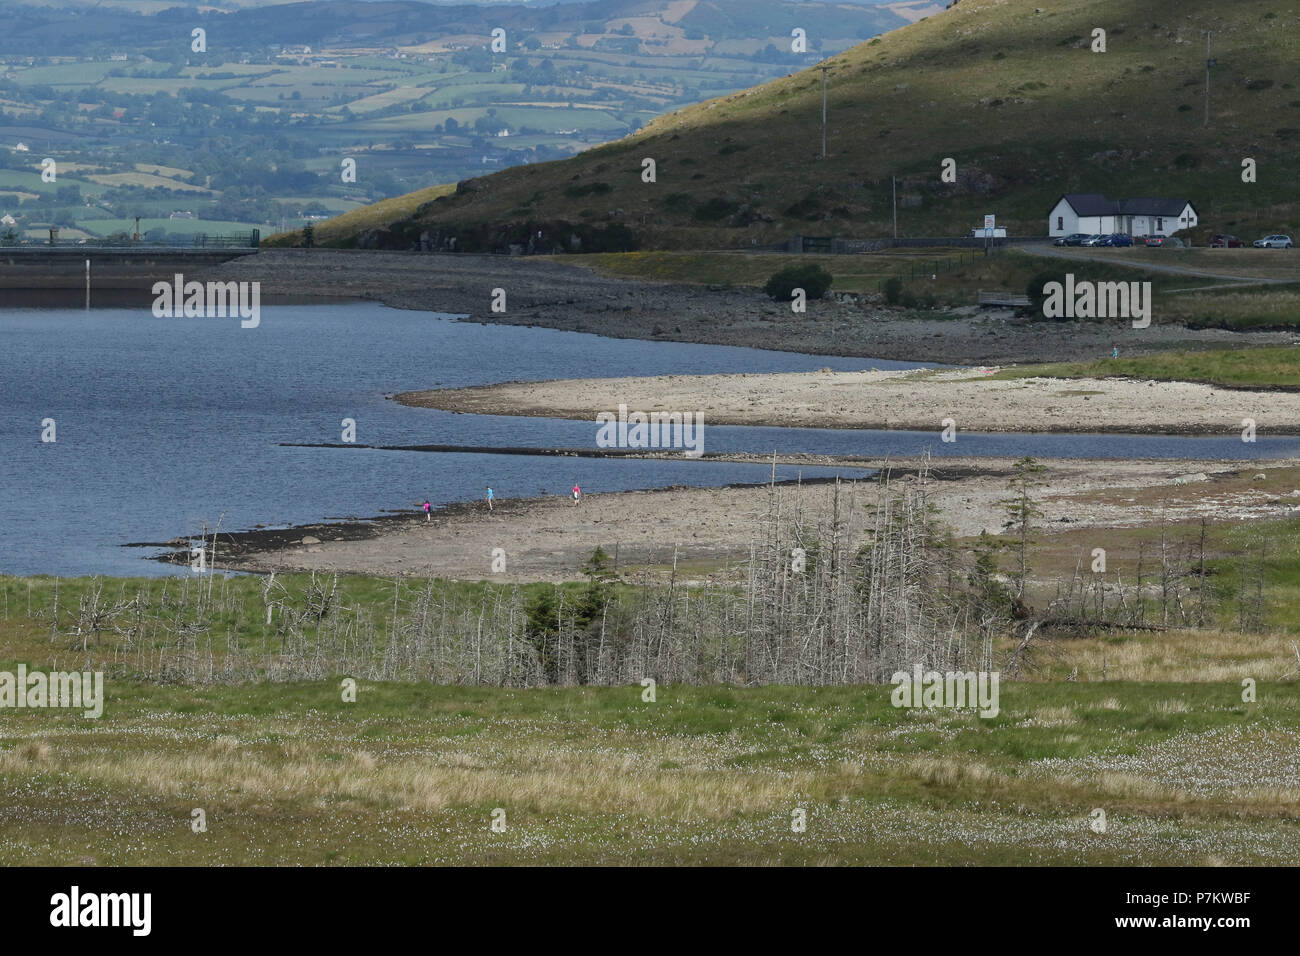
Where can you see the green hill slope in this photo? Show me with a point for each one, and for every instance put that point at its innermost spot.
(1010, 89)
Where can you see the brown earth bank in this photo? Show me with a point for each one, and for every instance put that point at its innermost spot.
(918, 400)
(562, 296)
(703, 530)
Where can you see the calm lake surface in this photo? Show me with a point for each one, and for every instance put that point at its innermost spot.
(165, 424)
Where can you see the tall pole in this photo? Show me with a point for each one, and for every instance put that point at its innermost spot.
(87, 285)
(894, 180)
(1208, 63)
(824, 69)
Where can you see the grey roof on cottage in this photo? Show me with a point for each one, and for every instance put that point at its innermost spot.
(1091, 204)
(1095, 204)
(1154, 207)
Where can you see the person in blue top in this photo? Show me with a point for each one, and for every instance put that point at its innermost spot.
(489, 497)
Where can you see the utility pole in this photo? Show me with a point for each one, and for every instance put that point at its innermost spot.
(824, 71)
(1209, 62)
(894, 181)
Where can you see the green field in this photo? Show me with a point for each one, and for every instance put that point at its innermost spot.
(958, 274)
(248, 116)
(1261, 367)
(1154, 732)
(289, 774)
(185, 227)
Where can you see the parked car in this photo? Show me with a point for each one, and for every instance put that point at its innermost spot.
(1094, 240)
(1273, 242)
(1116, 239)
(1165, 242)
(1073, 239)
(1223, 241)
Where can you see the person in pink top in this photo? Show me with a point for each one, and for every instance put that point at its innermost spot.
(577, 494)
(426, 511)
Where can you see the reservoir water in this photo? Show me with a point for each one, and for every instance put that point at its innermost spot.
(163, 425)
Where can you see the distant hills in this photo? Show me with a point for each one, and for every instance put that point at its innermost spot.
(254, 129)
(1009, 89)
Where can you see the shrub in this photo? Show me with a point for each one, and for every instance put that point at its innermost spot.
(1035, 290)
(677, 202)
(813, 279)
(613, 238)
(588, 189)
(893, 290)
(806, 208)
(711, 210)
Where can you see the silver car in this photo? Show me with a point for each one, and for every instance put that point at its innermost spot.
(1273, 242)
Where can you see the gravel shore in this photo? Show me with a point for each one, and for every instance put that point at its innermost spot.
(563, 296)
(704, 529)
(919, 400)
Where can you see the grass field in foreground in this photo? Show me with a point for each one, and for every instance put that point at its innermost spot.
(1238, 368)
(411, 773)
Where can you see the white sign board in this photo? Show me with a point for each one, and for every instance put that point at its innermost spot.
(990, 222)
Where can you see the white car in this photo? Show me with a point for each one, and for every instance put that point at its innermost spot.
(1273, 242)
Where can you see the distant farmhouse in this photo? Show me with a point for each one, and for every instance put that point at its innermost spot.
(1093, 213)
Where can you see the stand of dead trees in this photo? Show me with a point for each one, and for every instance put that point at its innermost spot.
(862, 586)
(1171, 584)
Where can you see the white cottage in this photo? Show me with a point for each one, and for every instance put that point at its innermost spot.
(1093, 213)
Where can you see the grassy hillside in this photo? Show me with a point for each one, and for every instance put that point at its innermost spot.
(1010, 89)
(365, 218)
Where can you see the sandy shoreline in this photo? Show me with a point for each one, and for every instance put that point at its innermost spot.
(705, 529)
(911, 400)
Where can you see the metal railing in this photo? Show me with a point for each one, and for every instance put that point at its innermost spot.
(249, 240)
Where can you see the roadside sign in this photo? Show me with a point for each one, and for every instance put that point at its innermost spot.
(990, 222)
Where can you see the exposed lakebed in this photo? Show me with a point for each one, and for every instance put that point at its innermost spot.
(164, 426)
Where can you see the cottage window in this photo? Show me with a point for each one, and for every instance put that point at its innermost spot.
(1060, 222)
